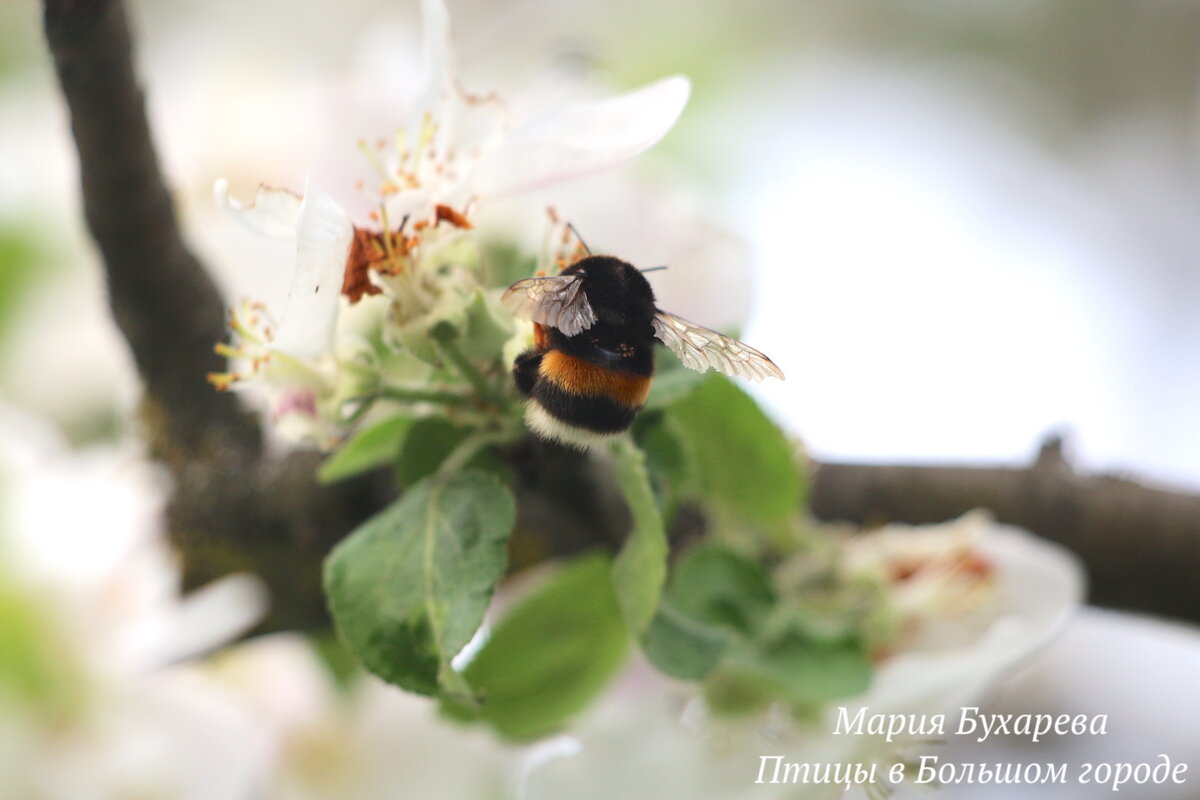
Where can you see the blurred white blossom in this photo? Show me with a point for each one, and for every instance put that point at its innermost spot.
(96, 707)
(651, 737)
(361, 742)
(91, 624)
(941, 587)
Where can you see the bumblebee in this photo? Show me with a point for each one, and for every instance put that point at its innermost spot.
(595, 325)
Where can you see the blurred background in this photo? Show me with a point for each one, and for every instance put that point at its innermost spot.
(967, 225)
(956, 226)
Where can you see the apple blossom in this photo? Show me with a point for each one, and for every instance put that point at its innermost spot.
(416, 254)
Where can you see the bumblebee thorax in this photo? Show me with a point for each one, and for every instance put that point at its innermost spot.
(616, 290)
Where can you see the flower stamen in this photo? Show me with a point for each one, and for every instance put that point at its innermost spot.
(455, 218)
(221, 381)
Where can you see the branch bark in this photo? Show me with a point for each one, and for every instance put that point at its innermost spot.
(162, 300)
(231, 508)
(1141, 545)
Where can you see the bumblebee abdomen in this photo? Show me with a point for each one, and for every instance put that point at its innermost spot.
(578, 402)
(578, 377)
(595, 414)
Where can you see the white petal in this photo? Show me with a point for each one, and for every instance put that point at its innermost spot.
(462, 123)
(581, 138)
(173, 734)
(281, 680)
(416, 203)
(323, 237)
(213, 615)
(1040, 584)
(438, 57)
(274, 212)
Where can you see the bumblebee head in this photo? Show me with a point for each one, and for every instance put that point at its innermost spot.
(616, 290)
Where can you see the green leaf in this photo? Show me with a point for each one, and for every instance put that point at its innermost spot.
(727, 694)
(505, 263)
(681, 646)
(550, 655)
(410, 586)
(747, 466)
(343, 667)
(714, 585)
(448, 339)
(486, 329)
(667, 457)
(21, 266)
(428, 443)
(716, 598)
(37, 667)
(672, 382)
(641, 567)
(448, 314)
(801, 671)
(372, 446)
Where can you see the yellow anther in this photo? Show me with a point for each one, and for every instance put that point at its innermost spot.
(220, 380)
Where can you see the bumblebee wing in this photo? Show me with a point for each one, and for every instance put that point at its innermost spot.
(558, 301)
(700, 348)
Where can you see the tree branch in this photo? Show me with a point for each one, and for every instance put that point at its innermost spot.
(1141, 545)
(231, 509)
(164, 303)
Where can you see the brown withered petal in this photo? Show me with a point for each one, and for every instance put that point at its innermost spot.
(455, 218)
(363, 252)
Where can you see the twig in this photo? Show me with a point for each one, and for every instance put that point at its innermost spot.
(1141, 545)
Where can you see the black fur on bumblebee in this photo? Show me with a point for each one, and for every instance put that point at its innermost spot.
(595, 325)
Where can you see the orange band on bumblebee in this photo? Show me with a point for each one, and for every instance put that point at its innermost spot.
(540, 340)
(580, 377)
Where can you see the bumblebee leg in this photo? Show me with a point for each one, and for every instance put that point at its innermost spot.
(525, 371)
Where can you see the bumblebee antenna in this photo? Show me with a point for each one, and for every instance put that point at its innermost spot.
(652, 269)
(579, 239)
